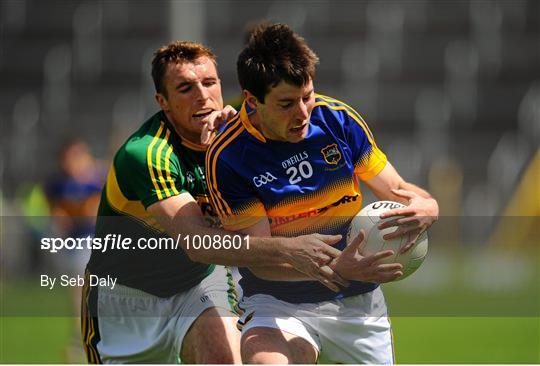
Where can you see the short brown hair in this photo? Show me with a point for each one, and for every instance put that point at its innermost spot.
(176, 52)
(274, 54)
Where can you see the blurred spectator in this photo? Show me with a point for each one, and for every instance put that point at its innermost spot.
(73, 197)
(75, 191)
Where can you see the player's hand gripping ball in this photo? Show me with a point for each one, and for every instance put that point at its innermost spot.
(368, 219)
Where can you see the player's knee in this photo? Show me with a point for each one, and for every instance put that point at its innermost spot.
(260, 349)
(212, 339)
(275, 358)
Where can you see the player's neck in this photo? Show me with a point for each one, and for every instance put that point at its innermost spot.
(184, 134)
(255, 120)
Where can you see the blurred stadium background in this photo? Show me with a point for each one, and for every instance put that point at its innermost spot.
(451, 90)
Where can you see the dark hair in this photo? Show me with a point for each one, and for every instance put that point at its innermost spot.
(176, 52)
(274, 54)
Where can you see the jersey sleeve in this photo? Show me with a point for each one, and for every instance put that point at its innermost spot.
(232, 196)
(151, 173)
(369, 160)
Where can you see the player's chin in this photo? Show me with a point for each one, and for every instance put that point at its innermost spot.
(295, 137)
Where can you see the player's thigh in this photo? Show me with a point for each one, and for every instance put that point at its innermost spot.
(213, 338)
(263, 345)
(359, 333)
(134, 327)
(357, 341)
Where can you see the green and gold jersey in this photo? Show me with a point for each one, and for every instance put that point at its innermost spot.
(154, 164)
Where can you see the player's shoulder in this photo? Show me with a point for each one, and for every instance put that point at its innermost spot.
(144, 144)
(333, 111)
(328, 105)
(326, 101)
(231, 138)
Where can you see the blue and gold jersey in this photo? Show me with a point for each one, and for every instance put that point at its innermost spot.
(307, 187)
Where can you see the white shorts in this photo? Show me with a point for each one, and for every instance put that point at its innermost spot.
(351, 330)
(136, 327)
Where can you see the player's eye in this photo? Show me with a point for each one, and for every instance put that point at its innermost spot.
(285, 105)
(185, 89)
(210, 83)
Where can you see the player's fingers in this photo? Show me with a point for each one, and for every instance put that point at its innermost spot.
(397, 212)
(355, 245)
(413, 237)
(329, 239)
(400, 221)
(321, 259)
(395, 275)
(389, 267)
(401, 231)
(409, 220)
(378, 256)
(228, 112)
(329, 274)
(331, 252)
(207, 132)
(390, 222)
(388, 277)
(359, 242)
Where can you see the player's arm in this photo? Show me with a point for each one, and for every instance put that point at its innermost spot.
(421, 212)
(350, 265)
(180, 215)
(286, 272)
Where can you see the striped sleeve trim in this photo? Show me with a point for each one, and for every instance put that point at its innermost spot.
(158, 162)
(337, 105)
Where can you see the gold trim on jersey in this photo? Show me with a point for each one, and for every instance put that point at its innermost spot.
(157, 178)
(149, 160)
(168, 171)
(192, 145)
(161, 179)
(88, 327)
(249, 127)
(225, 137)
(121, 204)
(349, 110)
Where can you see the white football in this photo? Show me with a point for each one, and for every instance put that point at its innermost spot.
(368, 219)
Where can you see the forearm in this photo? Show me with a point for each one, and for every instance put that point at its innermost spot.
(248, 251)
(414, 188)
(388, 180)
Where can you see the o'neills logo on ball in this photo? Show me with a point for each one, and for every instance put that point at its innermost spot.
(386, 204)
(331, 154)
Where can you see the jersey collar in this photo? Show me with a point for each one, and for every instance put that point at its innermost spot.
(244, 117)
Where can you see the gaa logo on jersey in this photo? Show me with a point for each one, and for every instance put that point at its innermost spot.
(263, 179)
(331, 154)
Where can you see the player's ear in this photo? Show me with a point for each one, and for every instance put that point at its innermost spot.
(251, 100)
(162, 101)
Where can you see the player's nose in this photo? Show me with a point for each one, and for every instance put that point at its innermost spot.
(302, 112)
(201, 93)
